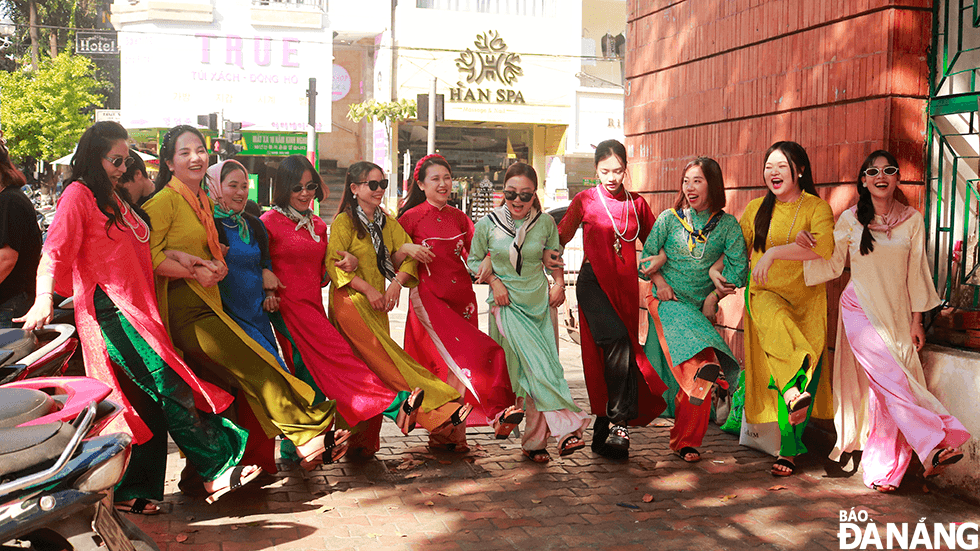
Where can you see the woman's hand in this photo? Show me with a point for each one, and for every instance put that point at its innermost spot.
(722, 286)
(500, 296)
(806, 240)
(188, 261)
(918, 332)
(760, 274)
(653, 264)
(421, 253)
(209, 274)
(552, 260)
(377, 300)
(485, 273)
(556, 295)
(270, 303)
(710, 307)
(347, 263)
(392, 295)
(665, 292)
(270, 282)
(40, 313)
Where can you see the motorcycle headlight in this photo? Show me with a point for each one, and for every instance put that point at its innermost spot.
(105, 475)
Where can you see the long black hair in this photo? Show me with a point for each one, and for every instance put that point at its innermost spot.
(168, 148)
(87, 170)
(416, 196)
(289, 174)
(9, 174)
(348, 203)
(866, 208)
(799, 164)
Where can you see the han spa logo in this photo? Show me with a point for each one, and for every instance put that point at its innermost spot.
(490, 62)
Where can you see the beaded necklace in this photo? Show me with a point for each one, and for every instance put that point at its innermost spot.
(125, 210)
(617, 247)
(799, 203)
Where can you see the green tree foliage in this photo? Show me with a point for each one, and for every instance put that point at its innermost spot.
(45, 112)
(386, 112)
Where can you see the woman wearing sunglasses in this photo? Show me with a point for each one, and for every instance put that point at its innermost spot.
(880, 395)
(320, 355)
(182, 220)
(516, 236)
(97, 248)
(361, 300)
(623, 387)
(443, 331)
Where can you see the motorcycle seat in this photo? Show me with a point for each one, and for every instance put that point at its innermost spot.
(25, 447)
(18, 341)
(20, 405)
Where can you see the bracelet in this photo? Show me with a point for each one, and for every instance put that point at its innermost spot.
(395, 280)
(42, 293)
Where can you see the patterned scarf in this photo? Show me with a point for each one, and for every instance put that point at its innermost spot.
(214, 191)
(302, 219)
(375, 227)
(896, 216)
(697, 236)
(502, 218)
(202, 208)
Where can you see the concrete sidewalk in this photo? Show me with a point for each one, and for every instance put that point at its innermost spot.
(492, 498)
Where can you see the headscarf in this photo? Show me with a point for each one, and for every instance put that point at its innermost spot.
(214, 190)
(201, 205)
(375, 227)
(502, 218)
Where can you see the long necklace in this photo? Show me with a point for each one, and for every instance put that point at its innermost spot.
(617, 247)
(125, 210)
(799, 203)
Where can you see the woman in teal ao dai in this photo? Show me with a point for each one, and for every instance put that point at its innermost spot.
(690, 240)
(516, 235)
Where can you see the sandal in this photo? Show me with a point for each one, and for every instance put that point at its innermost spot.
(335, 441)
(538, 456)
(686, 451)
(883, 488)
(939, 464)
(799, 407)
(569, 445)
(619, 438)
(783, 462)
(704, 380)
(409, 411)
(458, 417)
(235, 481)
(138, 506)
(507, 422)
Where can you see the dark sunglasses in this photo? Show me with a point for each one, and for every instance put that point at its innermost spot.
(375, 184)
(309, 187)
(888, 171)
(525, 197)
(119, 161)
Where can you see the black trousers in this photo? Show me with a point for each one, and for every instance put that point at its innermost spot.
(611, 336)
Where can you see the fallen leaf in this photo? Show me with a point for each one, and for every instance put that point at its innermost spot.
(647, 498)
(445, 462)
(628, 505)
(429, 503)
(535, 501)
(663, 424)
(233, 527)
(925, 489)
(371, 535)
(324, 509)
(413, 475)
(517, 483)
(402, 535)
(729, 497)
(427, 456)
(445, 494)
(777, 488)
(180, 538)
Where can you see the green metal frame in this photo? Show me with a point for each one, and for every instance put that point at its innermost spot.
(943, 183)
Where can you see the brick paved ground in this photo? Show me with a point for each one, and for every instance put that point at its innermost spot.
(491, 498)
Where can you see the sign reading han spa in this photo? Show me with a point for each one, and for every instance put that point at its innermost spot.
(490, 62)
(258, 78)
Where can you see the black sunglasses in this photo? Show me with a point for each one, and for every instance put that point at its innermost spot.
(525, 197)
(375, 184)
(119, 161)
(888, 170)
(309, 187)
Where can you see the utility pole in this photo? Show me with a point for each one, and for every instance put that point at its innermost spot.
(431, 138)
(311, 128)
(393, 139)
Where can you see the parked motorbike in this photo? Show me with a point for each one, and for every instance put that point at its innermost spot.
(41, 353)
(57, 472)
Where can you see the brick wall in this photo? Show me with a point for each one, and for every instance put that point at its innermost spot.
(727, 78)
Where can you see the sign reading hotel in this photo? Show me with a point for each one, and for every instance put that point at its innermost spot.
(257, 77)
(491, 62)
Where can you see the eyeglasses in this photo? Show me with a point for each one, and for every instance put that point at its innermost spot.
(308, 187)
(888, 170)
(375, 184)
(119, 161)
(525, 197)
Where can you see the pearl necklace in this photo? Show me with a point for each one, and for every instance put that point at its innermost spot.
(617, 247)
(125, 210)
(799, 203)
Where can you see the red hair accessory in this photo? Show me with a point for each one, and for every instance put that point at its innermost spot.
(418, 165)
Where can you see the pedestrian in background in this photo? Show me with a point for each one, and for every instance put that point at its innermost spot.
(881, 401)
(623, 387)
(20, 242)
(516, 236)
(682, 344)
(786, 320)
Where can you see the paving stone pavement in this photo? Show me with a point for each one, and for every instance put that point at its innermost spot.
(492, 498)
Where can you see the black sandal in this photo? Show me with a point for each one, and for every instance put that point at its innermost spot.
(409, 411)
(335, 446)
(459, 416)
(569, 445)
(619, 438)
(538, 456)
(688, 450)
(704, 381)
(938, 466)
(138, 507)
(783, 463)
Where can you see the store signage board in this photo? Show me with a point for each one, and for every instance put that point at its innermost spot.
(341, 83)
(254, 76)
(273, 143)
(96, 43)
